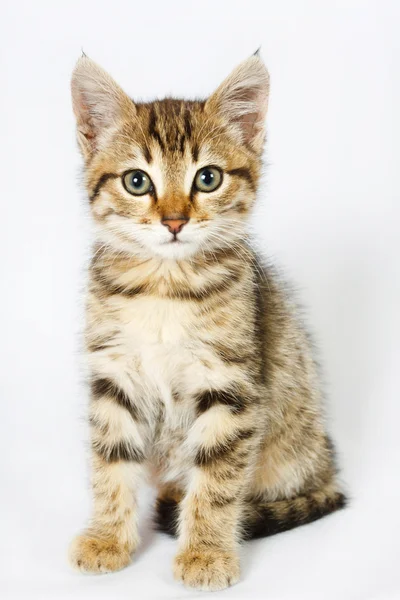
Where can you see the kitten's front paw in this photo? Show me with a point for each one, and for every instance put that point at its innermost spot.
(208, 570)
(95, 555)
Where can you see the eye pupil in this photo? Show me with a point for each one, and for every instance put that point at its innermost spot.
(207, 177)
(137, 180)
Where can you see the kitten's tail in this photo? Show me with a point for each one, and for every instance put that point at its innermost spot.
(262, 518)
(267, 518)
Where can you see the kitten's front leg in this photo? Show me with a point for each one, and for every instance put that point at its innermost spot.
(223, 439)
(118, 453)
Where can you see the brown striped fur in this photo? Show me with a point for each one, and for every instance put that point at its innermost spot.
(200, 367)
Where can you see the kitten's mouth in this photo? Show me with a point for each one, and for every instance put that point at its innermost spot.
(174, 240)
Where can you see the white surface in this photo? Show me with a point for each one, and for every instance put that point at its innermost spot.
(329, 212)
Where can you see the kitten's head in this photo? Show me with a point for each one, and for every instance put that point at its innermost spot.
(171, 178)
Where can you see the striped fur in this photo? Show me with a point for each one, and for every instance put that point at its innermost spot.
(200, 368)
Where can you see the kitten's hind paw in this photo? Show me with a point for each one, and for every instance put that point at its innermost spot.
(90, 554)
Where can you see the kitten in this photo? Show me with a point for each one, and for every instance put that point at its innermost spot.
(200, 367)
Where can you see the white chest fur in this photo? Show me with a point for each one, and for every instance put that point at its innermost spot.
(159, 349)
(162, 335)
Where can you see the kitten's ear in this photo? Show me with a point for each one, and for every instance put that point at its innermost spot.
(243, 100)
(99, 105)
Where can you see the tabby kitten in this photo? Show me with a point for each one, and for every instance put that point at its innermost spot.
(200, 368)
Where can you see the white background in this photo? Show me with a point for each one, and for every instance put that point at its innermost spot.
(328, 212)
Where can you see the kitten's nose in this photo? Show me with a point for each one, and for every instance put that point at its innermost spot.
(174, 224)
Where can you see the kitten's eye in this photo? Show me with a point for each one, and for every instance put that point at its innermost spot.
(208, 179)
(137, 183)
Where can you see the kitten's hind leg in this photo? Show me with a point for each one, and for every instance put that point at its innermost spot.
(294, 483)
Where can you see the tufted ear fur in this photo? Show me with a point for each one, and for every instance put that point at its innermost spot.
(99, 105)
(242, 99)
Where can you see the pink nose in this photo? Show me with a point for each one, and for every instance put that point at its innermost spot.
(174, 225)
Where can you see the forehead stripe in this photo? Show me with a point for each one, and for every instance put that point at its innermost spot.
(195, 152)
(153, 132)
(144, 147)
(188, 124)
(182, 144)
(147, 153)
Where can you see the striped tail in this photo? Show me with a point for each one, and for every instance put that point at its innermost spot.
(268, 518)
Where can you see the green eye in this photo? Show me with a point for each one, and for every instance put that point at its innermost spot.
(137, 183)
(208, 179)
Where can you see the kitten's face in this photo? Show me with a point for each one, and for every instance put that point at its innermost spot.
(171, 178)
